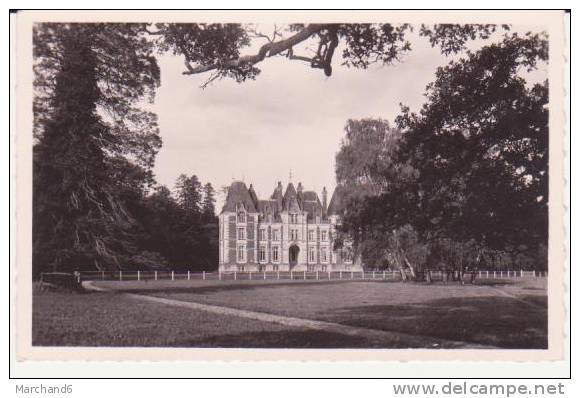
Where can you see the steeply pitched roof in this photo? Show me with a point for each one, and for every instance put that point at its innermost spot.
(290, 191)
(269, 206)
(277, 194)
(291, 199)
(238, 193)
(312, 208)
(253, 196)
(311, 204)
(336, 205)
(310, 195)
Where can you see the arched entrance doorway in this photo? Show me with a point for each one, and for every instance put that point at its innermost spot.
(293, 255)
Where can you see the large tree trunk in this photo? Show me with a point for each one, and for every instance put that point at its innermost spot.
(411, 268)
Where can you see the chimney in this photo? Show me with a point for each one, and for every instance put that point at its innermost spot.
(253, 195)
(278, 193)
(299, 188)
(324, 201)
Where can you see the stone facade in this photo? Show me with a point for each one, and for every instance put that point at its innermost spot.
(290, 231)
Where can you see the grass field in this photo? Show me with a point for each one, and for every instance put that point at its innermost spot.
(512, 314)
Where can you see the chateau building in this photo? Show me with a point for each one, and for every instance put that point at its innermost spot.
(290, 231)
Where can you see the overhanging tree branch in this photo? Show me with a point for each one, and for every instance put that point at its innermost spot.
(266, 51)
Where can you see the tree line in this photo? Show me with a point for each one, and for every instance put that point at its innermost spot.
(96, 204)
(462, 183)
(467, 174)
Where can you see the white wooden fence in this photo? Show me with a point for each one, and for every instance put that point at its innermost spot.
(286, 275)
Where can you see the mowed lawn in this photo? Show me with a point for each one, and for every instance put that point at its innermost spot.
(113, 320)
(507, 314)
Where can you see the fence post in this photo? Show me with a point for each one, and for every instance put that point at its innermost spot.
(250, 275)
(534, 273)
(339, 274)
(373, 274)
(264, 275)
(351, 274)
(278, 275)
(384, 275)
(291, 275)
(102, 275)
(329, 275)
(219, 275)
(138, 275)
(172, 275)
(189, 275)
(316, 274)
(487, 274)
(304, 275)
(120, 275)
(521, 273)
(155, 275)
(235, 275)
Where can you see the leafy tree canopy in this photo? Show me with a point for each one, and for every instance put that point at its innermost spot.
(125, 72)
(470, 167)
(480, 145)
(217, 49)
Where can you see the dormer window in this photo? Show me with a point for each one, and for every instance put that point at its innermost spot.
(241, 213)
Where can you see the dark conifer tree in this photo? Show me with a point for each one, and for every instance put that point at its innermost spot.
(208, 206)
(82, 159)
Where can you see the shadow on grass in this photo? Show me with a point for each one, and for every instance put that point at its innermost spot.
(499, 321)
(241, 285)
(495, 282)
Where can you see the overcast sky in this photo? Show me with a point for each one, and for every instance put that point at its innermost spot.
(290, 118)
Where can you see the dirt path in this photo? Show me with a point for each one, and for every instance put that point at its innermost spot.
(372, 334)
